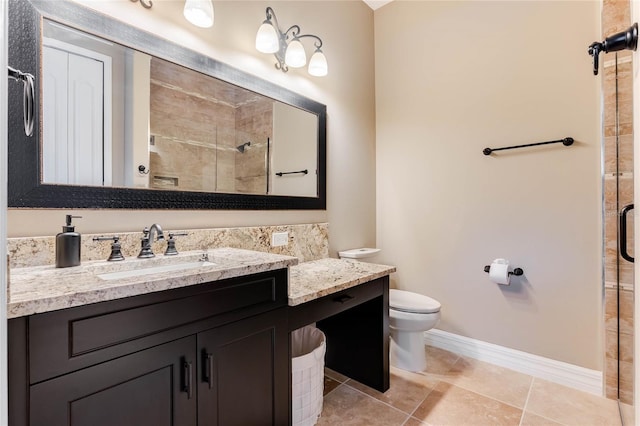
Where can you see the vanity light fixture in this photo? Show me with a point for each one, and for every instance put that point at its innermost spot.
(199, 12)
(287, 48)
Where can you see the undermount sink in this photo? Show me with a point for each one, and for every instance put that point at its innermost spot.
(157, 265)
(154, 270)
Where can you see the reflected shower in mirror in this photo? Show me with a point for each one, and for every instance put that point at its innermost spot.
(109, 111)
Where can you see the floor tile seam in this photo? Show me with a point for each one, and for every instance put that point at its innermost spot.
(482, 394)
(406, 420)
(411, 416)
(620, 414)
(458, 358)
(332, 391)
(491, 365)
(548, 418)
(486, 396)
(526, 410)
(336, 379)
(375, 399)
(526, 401)
(588, 395)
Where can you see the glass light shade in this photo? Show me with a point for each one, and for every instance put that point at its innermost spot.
(295, 56)
(199, 12)
(267, 38)
(318, 64)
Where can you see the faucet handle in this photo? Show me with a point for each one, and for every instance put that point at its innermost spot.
(171, 243)
(145, 245)
(116, 252)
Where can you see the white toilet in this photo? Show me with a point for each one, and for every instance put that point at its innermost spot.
(410, 315)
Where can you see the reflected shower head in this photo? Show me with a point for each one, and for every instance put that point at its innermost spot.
(242, 147)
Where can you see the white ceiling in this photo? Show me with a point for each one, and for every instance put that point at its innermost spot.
(375, 4)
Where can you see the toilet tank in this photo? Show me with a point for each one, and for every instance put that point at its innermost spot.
(359, 253)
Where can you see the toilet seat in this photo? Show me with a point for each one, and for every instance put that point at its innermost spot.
(407, 301)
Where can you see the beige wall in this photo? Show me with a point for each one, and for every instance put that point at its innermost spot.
(346, 28)
(451, 79)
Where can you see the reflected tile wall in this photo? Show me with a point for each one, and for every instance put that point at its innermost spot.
(618, 162)
(254, 123)
(188, 131)
(197, 128)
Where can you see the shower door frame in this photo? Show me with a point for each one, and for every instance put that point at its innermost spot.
(635, 14)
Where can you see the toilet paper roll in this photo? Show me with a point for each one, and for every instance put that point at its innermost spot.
(499, 272)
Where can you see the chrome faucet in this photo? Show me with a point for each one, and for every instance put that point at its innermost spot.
(147, 239)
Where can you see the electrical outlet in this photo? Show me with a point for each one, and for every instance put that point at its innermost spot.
(279, 239)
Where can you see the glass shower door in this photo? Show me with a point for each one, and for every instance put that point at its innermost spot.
(618, 232)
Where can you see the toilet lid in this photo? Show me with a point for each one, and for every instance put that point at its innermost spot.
(407, 301)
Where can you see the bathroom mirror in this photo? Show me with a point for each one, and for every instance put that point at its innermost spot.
(171, 129)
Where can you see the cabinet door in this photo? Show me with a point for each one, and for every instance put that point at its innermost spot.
(243, 372)
(154, 387)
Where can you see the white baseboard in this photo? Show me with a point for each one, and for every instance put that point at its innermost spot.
(563, 373)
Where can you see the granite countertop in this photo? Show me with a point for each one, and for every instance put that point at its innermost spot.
(40, 289)
(312, 280)
(46, 288)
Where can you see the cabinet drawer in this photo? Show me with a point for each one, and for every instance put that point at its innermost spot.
(66, 340)
(319, 309)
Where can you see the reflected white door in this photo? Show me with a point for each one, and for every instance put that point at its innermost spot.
(74, 142)
(294, 148)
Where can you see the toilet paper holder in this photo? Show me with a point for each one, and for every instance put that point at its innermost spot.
(516, 271)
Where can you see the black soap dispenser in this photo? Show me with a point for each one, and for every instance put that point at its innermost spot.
(68, 245)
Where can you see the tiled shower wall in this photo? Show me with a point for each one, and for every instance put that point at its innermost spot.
(618, 161)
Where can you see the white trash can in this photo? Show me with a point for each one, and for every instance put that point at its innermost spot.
(308, 346)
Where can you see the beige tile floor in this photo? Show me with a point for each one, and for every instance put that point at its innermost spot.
(455, 390)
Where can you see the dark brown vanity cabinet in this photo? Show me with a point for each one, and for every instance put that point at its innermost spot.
(149, 387)
(211, 354)
(244, 372)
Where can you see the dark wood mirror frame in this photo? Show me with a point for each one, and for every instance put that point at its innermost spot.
(24, 172)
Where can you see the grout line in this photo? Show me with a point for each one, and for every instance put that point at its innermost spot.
(422, 402)
(477, 392)
(335, 378)
(526, 401)
(406, 420)
(375, 399)
(332, 390)
(491, 397)
(620, 412)
(539, 415)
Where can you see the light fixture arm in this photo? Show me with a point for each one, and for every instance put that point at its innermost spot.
(147, 4)
(317, 44)
(294, 29)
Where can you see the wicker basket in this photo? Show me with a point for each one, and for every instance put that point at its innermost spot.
(308, 346)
